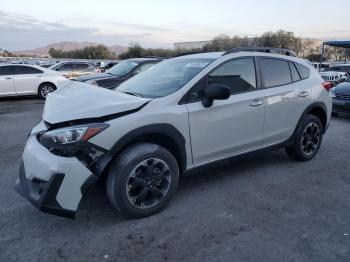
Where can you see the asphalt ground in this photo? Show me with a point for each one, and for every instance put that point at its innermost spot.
(262, 208)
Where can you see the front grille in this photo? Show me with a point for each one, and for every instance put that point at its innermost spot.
(343, 97)
(330, 78)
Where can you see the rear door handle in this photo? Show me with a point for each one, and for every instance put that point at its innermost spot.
(256, 102)
(8, 78)
(303, 94)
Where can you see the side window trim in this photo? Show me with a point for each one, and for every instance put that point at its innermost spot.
(296, 68)
(258, 83)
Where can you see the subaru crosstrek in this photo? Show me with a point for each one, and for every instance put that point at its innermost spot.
(182, 113)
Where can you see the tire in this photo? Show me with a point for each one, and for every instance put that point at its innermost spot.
(44, 89)
(307, 140)
(141, 168)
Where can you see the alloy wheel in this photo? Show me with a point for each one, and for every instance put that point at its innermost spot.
(310, 138)
(148, 183)
(45, 90)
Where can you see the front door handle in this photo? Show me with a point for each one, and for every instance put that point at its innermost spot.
(303, 94)
(256, 102)
(8, 78)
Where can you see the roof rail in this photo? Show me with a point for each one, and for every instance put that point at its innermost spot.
(273, 50)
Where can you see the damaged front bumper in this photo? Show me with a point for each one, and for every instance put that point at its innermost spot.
(52, 183)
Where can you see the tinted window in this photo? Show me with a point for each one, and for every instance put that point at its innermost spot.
(65, 67)
(23, 70)
(5, 70)
(275, 72)
(303, 70)
(80, 67)
(295, 74)
(123, 68)
(238, 75)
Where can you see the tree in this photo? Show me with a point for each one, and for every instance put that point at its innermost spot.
(91, 52)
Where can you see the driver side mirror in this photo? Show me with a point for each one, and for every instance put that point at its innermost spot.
(215, 92)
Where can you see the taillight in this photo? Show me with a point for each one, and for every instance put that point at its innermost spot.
(327, 85)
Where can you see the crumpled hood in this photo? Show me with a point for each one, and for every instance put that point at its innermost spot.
(79, 101)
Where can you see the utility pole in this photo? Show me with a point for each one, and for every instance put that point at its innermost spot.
(115, 54)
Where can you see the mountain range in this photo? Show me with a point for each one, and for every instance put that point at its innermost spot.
(66, 46)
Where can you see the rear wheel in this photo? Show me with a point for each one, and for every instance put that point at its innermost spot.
(308, 139)
(142, 180)
(45, 89)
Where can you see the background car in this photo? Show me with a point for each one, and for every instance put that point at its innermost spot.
(334, 77)
(338, 68)
(107, 66)
(120, 72)
(73, 70)
(341, 98)
(17, 80)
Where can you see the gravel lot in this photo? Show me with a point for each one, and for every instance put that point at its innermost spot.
(262, 208)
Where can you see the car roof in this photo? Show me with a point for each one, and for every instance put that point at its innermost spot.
(209, 55)
(340, 65)
(35, 66)
(144, 59)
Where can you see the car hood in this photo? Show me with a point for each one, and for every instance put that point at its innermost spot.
(342, 88)
(96, 77)
(78, 101)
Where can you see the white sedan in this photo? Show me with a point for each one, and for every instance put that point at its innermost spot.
(18, 80)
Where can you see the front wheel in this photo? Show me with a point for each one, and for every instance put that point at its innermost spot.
(307, 140)
(45, 89)
(142, 180)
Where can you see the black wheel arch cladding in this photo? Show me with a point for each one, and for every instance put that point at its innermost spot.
(165, 135)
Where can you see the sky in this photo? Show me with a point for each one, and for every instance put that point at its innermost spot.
(30, 24)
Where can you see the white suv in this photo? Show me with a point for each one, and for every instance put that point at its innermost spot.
(182, 113)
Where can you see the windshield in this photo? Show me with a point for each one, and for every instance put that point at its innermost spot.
(164, 78)
(122, 68)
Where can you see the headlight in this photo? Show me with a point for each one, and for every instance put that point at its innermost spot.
(331, 93)
(70, 135)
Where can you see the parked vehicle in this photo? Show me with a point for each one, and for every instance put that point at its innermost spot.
(334, 77)
(320, 67)
(120, 72)
(107, 66)
(183, 113)
(341, 98)
(339, 68)
(72, 70)
(18, 80)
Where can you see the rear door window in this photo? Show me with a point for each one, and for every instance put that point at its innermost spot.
(275, 72)
(65, 67)
(26, 70)
(80, 67)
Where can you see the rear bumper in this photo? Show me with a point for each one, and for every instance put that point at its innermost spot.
(52, 183)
